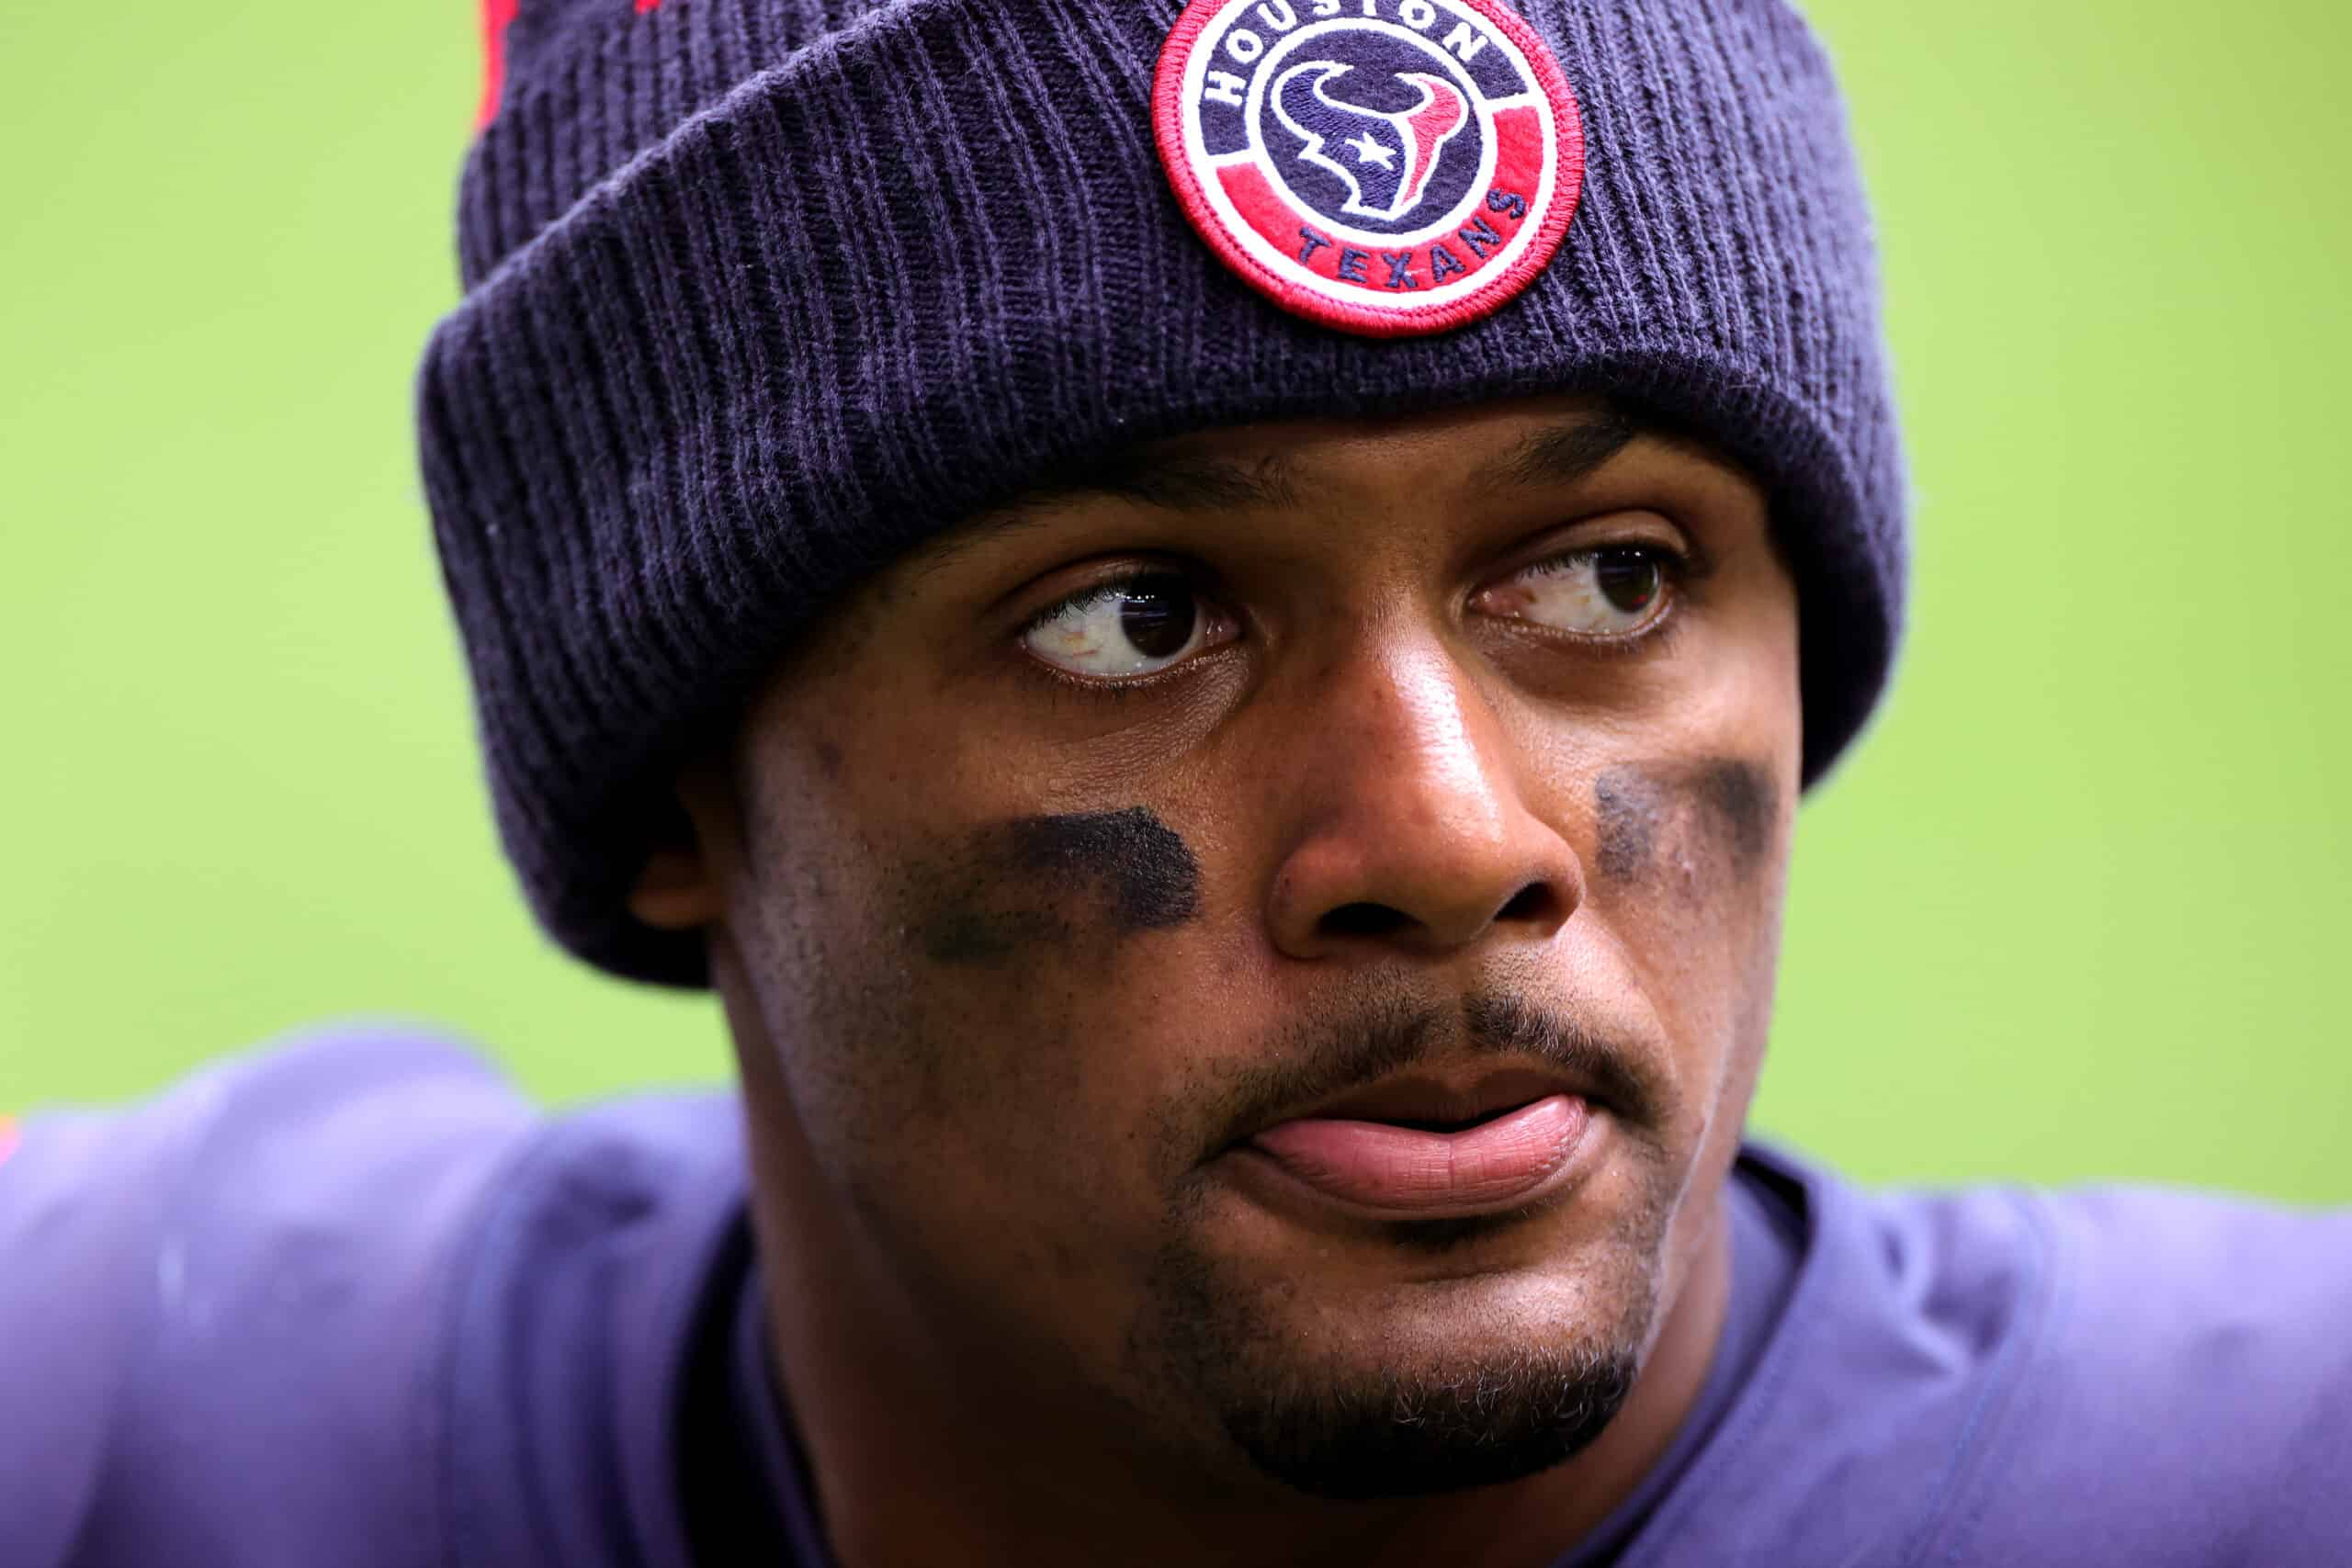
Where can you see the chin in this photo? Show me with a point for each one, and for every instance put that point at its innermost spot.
(1408, 1388)
(1447, 1425)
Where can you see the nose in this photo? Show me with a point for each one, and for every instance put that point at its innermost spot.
(1410, 830)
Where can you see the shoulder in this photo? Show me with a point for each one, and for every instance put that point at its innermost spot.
(1999, 1375)
(609, 1243)
(2179, 1393)
(223, 1302)
(2192, 1399)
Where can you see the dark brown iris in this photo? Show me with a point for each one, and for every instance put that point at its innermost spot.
(1629, 579)
(1158, 615)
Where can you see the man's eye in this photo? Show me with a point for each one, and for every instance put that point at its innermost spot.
(1137, 627)
(1608, 591)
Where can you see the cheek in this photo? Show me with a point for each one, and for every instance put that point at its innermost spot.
(980, 1014)
(1045, 950)
(1693, 833)
(1038, 891)
(1687, 869)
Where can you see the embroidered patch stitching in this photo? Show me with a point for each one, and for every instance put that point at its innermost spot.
(1388, 167)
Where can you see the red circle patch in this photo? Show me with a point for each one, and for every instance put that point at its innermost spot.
(1383, 166)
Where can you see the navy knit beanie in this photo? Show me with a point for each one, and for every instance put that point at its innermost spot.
(758, 294)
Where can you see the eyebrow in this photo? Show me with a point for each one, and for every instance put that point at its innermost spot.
(1186, 482)
(1559, 453)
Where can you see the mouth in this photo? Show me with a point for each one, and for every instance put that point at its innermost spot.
(1432, 1145)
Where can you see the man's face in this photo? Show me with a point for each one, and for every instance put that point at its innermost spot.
(1272, 941)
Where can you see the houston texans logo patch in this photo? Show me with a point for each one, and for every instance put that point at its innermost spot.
(1384, 166)
(1393, 153)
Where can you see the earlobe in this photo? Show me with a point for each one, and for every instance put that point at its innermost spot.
(674, 891)
(677, 889)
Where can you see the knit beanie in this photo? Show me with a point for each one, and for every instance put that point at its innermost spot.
(761, 294)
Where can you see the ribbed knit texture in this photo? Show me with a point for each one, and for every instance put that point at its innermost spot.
(762, 293)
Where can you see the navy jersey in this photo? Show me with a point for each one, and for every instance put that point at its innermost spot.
(354, 1300)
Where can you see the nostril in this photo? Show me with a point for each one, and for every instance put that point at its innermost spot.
(1363, 919)
(1532, 902)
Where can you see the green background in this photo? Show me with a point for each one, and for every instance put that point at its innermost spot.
(2076, 908)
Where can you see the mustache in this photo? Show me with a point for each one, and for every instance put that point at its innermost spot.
(1373, 1038)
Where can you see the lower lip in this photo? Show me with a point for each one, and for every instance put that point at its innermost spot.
(1392, 1172)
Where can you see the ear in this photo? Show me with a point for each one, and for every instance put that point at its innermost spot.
(674, 891)
(678, 889)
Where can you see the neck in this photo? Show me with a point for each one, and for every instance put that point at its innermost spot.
(924, 1452)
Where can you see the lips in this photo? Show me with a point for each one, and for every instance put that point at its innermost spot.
(1425, 1150)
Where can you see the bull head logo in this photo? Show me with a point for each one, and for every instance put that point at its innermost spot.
(1385, 159)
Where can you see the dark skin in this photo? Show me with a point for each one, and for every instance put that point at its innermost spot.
(1384, 755)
